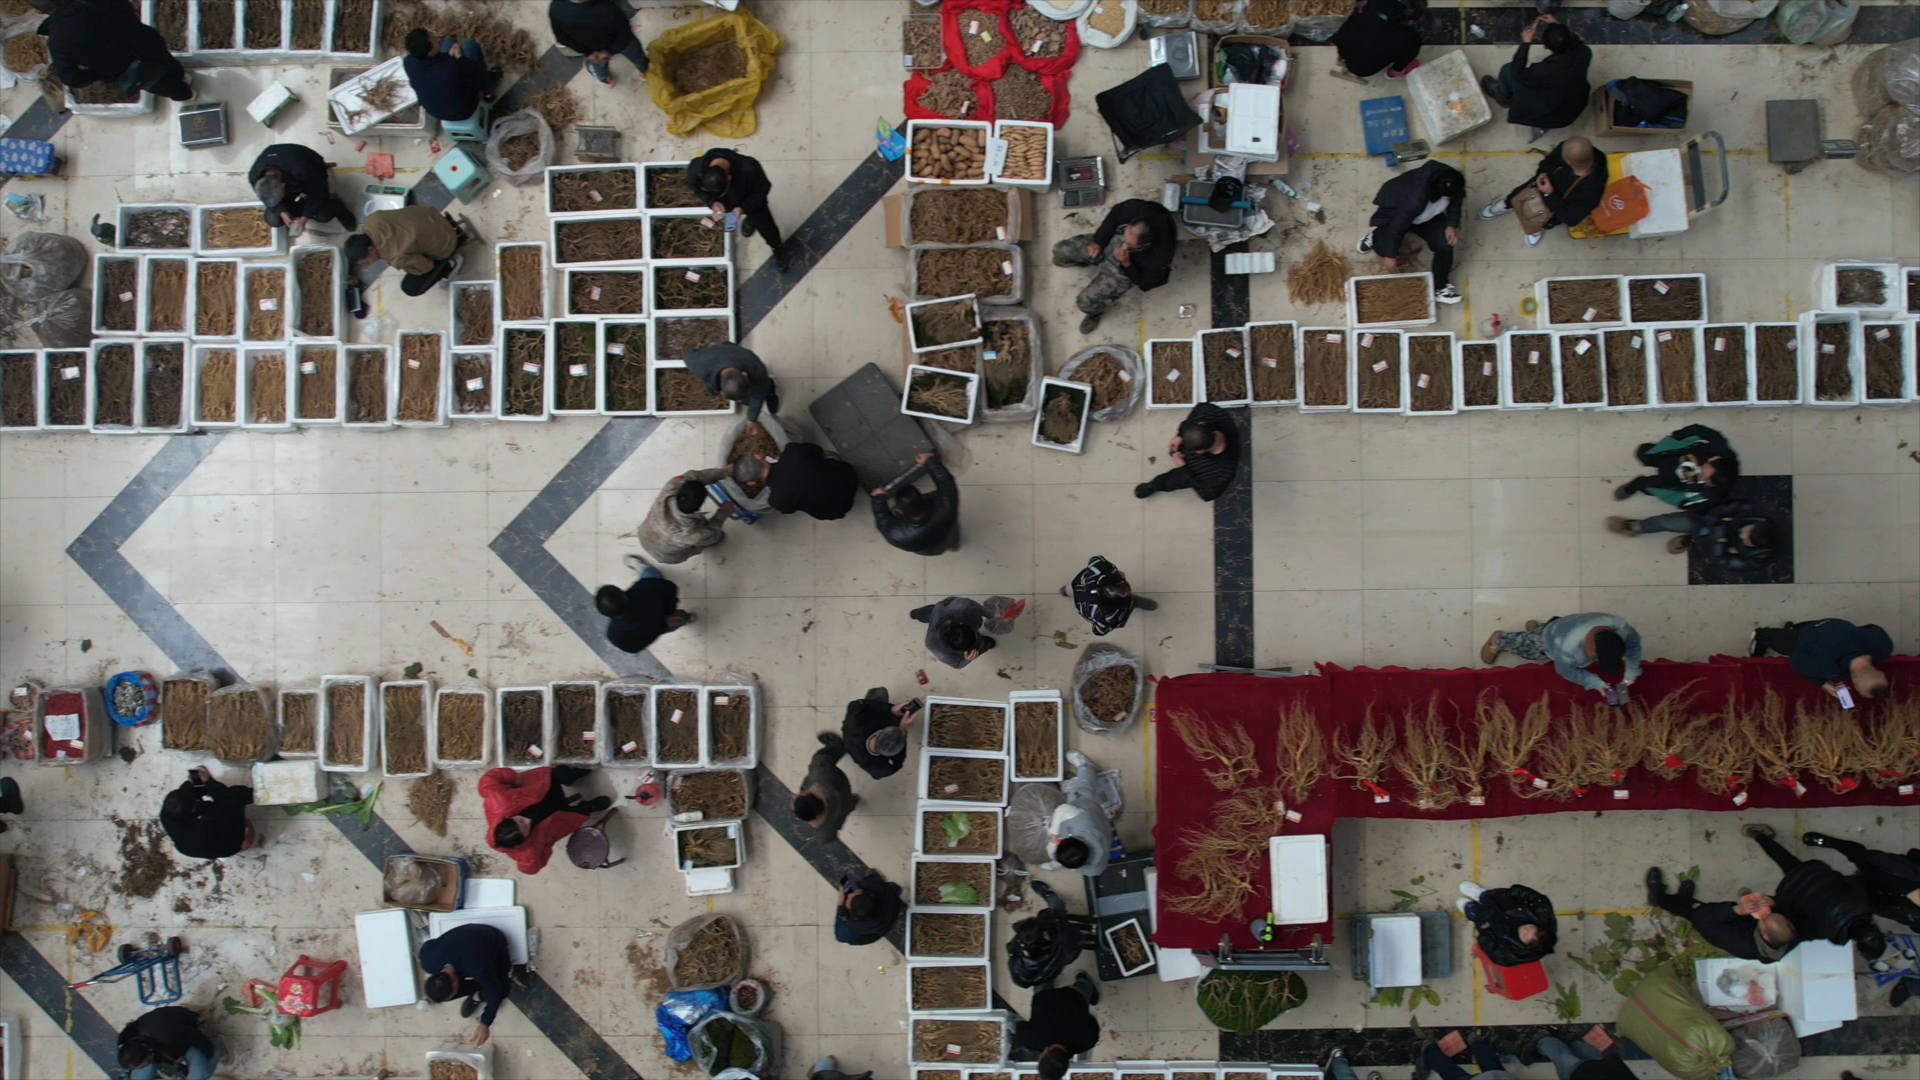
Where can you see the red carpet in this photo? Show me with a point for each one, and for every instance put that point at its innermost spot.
(1340, 697)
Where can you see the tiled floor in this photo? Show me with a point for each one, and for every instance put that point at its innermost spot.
(1377, 541)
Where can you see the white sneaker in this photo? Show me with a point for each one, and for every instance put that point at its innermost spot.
(1534, 238)
(1366, 243)
(1462, 904)
(1448, 295)
(1495, 209)
(447, 282)
(1471, 889)
(1079, 759)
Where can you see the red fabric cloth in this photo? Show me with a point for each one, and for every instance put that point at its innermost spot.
(507, 792)
(956, 19)
(918, 83)
(1340, 697)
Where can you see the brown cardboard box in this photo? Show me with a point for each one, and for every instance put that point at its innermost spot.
(1019, 214)
(1603, 111)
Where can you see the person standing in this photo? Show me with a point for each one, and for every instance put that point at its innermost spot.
(1513, 926)
(451, 78)
(803, 479)
(826, 795)
(417, 240)
(639, 614)
(1892, 882)
(1059, 1025)
(1380, 34)
(1831, 652)
(1749, 928)
(730, 180)
(869, 906)
(598, 30)
(1142, 256)
(104, 41)
(1694, 468)
(737, 374)
(293, 185)
(1821, 901)
(169, 1038)
(916, 522)
(675, 530)
(875, 732)
(1080, 834)
(206, 819)
(1426, 202)
(1550, 94)
(1104, 597)
(954, 626)
(528, 811)
(1591, 649)
(1206, 455)
(474, 962)
(1734, 535)
(1570, 181)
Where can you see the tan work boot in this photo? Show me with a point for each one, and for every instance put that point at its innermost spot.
(1491, 650)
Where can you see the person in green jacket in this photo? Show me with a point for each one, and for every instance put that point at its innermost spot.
(1695, 468)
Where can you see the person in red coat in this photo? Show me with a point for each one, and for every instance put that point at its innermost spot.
(529, 812)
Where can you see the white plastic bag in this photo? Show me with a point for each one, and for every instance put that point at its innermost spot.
(506, 128)
(1092, 37)
(1226, 20)
(1099, 657)
(1179, 16)
(681, 936)
(1028, 814)
(65, 320)
(39, 264)
(27, 24)
(1817, 22)
(1743, 9)
(1129, 364)
(1627, 9)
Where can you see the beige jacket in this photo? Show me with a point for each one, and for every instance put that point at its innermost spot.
(671, 536)
(412, 239)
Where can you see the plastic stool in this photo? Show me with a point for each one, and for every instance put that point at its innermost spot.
(311, 987)
(1516, 983)
(473, 128)
(460, 170)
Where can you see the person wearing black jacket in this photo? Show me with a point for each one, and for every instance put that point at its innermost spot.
(449, 77)
(597, 30)
(1059, 1025)
(1104, 597)
(737, 374)
(917, 522)
(169, 1036)
(1749, 929)
(1892, 882)
(1695, 467)
(1734, 534)
(293, 185)
(1043, 945)
(1143, 257)
(640, 613)
(825, 797)
(804, 479)
(1206, 456)
(1513, 926)
(869, 906)
(1821, 901)
(875, 731)
(472, 960)
(730, 180)
(1380, 34)
(206, 819)
(1830, 652)
(96, 41)
(1550, 94)
(1570, 180)
(1426, 202)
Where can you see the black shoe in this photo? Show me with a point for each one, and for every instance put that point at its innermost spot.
(1141, 603)
(746, 226)
(1685, 891)
(1754, 648)
(10, 796)
(1812, 839)
(347, 218)
(1089, 324)
(596, 804)
(1656, 886)
(1902, 991)
(831, 740)
(1531, 1054)
(1087, 988)
(469, 1007)
(1492, 86)
(1756, 831)
(781, 262)
(1141, 491)
(1624, 492)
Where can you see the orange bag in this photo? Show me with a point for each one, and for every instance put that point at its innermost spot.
(1623, 203)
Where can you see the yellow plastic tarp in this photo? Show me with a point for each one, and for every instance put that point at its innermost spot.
(727, 109)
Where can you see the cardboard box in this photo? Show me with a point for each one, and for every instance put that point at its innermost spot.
(1278, 167)
(1603, 111)
(1020, 215)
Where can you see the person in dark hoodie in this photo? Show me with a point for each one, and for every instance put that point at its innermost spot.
(1513, 926)
(471, 961)
(449, 77)
(1570, 180)
(875, 732)
(1380, 35)
(1142, 256)
(1206, 456)
(598, 30)
(104, 41)
(294, 187)
(1428, 203)
(1059, 1025)
(640, 613)
(1892, 882)
(804, 479)
(1694, 468)
(207, 819)
(730, 180)
(1821, 901)
(1550, 94)
(737, 374)
(869, 906)
(1749, 928)
(916, 521)
(169, 1037)
(826, 797)
(1830, 652)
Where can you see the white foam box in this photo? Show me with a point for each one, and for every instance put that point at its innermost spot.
(926, 721)
(605, 206)
(427, 726)
(914, 177)
(973, 394)
(699, 719)
(489, 359)
(1409, 378)
(1513, 353)
(370, 706)
(502, 316)
(440, 696)
(1655, 281)
(196, 361)
(389, 375)
(1817, 987)
(1669, 334)
(1353, 303)
(1543, 318)
(1646, 358)
(1045, 697)
(1899, 331)
(545, 694)
(1753, 363)
(1194, 374)
(1447, 97)
(443, 381)
(1298, 879)
(1730, 336)
(605, 347)
(278, 783)
(1397, 361)
(996, 156)
(998, 1018)
(915, 969)
(184, 421)
(920, 860)
(1910, 289)
(1566, 345)
(652, 168)
(388, 973)
(1827, 287)
(1238, 334)
(560, 226)
(913, 338)
(1329, 332)
(689, 270)
(754, 723)
(121, 110)
(304, 353)
(610, 754)
(717, 227)
(198, 299)
(37, 366)
(503, 360)
(1393, 950)
(146, 318)
(1811, 352)
(568, 373)
(1113, 932)
(124, 234)
(265, 303)
(923, 808)
(94, 424)
(940, 800)
(203, 242)
(736, 829)
(664, 319)
(102, 260)
(1474, 355)
(1039, 414)
(917, 914)
(287, 692)
(253, 383)
(335, 294)
(593, 736)
(1255, 360)
(477, 1058)
(511, 921)
(453, 312)
(572, 311)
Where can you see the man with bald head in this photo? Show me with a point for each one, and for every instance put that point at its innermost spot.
(1570, 180)
(1748, 928)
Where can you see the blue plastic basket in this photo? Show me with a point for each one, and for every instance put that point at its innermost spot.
(149, 709)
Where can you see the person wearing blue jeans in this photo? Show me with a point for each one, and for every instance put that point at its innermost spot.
(1339, 1069)
(598, 30)
(1580, 1060)
(168, 1037)
(1492, 1066)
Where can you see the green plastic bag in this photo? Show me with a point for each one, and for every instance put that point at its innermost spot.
(1664, 1018)
(959, 892)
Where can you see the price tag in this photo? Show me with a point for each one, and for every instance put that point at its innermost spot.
(1719, 344)
(1540, 783)
(675, 718)
(1662, 288)
(691, 276)
(1533, 356)
(414, 364)
(578, 371)
(534, 751)
(1793, 344)
(1366, 341)
(1619, 793)
(990, 354)
(1828, 349)
(1382, 797)
(1270, 361)
(1006, 267)
(269, 303)
(973, 26)
(1124, 377)
(592, 195)
(593, 292)
(64, 727)
(906, 60)
(69, 372)
(1174, 375)
(1294, 816)
(1486, 370)
(1638, 341)
(629, 747)
(308, 367)
(1905, 789)
(1233, 352)
(1799, 788)
(722, 701)
(530, 368)
(1476, 800)
(589, 736)
(126, 298)
(953, 1049)
(1740, 798)
(950, 789)
(1379, 367)
(476, 385)
(1335, 339)
(1425, 381)
(1580, 347)
(986, 35)
(1038, 44)
(1882, 334)
(616, 349)
(1000, 231)
(1591, 312)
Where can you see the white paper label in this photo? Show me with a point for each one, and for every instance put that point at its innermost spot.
(1000, 231)
(474, 386)
(414, 364)
(593, 292)
(953, 1049)
(1533, 356)
(1882, 334)
(1664, 336)
(628, 748)
(1845, 694)
(1382, 798)
(616, 349)
(1580, 347)
(723, 701)
(1124, 377)
(1905, 789)
(1038, 44)
(1006, 267)
(535, 752)
(1476, 800)
(1662, 288)
(308, 367)
(578, 371)
(1793, 343)
(592, 196)
(986, 35)
(1379, 367)
(1233, 352)
(589, 736)
(1486, 370)
(126, 298)
(1334, 339)
(691, 276)
(1540, 783)
(1270, 361)
(906, 60)
(1174, 375)
(1424, 381)
(1829, 349)
(1740, 798)
(675, 718)
(1637, 341)
(1591, 312)
(973, 26)
(530, 368)
(990, 354)
(69, 372)
(950, 789)
(1719, 344)
(269, 304)
(64, 727)
(1366, 341)
(1294, 816)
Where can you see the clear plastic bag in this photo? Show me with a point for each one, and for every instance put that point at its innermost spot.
(718, 1049)
(1176, 15)
(412, 881)
(39, 264)
(65, 320)
(1028, 814)
(1129, 364)
(1020, 411)
(1816, 22)
(1889, 74)
(1742, 9)
(507, 127)
(1765, 1048)
(1092, 37)
(1627, 9)
(682, 936)
(1099, 657)
(1890, 140)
